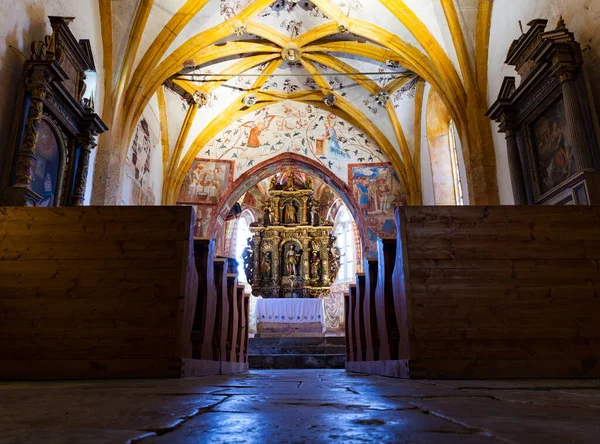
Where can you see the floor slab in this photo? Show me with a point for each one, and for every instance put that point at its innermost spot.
(300, 406)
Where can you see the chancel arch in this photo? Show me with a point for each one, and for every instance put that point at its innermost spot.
(287, 162)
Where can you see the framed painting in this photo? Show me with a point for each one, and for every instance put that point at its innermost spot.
(554, 160)
(47, 173)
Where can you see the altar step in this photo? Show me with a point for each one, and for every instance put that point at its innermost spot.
(297, 353)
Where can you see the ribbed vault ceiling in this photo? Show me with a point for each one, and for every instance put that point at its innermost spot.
(362, 60)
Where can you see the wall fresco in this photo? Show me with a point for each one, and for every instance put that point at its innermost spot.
(287, 127)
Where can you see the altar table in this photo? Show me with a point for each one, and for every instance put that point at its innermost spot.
(293, 311)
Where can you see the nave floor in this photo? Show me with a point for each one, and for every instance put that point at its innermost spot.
(302, 406)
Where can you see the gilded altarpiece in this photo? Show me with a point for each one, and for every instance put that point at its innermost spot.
(292, 253)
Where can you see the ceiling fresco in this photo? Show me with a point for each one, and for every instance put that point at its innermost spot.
(360, 66)
(302, 129)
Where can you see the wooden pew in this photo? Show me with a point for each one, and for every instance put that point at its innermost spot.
(96, 292)
(384, 296)
(370, 311)
(243, 327)
(489, 292)
(206, 306)
(348, 327)
(359, 318)
(233, 320)
(221, 312)
(351, 339)
(247, 321)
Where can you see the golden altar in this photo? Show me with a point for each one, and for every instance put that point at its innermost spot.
(292, 252)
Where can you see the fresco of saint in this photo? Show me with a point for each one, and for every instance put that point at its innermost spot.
(332, 140)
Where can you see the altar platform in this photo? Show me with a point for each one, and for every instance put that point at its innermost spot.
(289, 317)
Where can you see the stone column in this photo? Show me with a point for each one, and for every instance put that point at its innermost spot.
(575, 133)
(516, 168)
(87, 143)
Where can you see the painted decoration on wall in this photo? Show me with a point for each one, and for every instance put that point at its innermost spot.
(378, 192)
(286, 127)
(206, 181)
(204, 214)
(139, 184)
(47, 165)
(555, 159)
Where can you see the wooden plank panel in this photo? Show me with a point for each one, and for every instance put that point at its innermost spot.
(93, 291)
(493, 288)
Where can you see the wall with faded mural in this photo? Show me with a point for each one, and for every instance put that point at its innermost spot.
(142, 183)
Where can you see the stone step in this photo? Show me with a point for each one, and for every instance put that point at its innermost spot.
(298, 350)
(290, 361)
(297, 341)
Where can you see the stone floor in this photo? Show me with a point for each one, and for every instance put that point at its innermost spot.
(300, 406)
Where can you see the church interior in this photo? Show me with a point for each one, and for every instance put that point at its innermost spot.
(299, 221)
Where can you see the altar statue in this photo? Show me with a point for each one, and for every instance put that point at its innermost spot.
(315, 265)
(266, 267)
(291, 261)
(291, 214)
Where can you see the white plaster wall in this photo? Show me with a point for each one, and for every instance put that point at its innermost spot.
(426, 174)
(22, 22)
(462, 170)
(582, 18)
(177, 109)
(160, 14)
(123, 15)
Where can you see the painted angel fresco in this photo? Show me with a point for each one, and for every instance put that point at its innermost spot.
(256, 129)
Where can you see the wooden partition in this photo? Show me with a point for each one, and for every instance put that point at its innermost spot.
(491, 292)
(96, 292)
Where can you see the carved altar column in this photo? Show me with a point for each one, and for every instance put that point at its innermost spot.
(256, 258)
(88, 143)
(20, 192)
(306, 256)
(516, 168)
(276, 211)
(304, 210)
(275, 275)
(575, 133)
(325, 261)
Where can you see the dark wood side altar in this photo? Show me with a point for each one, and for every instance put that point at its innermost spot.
(56, 127)
(550, 136)
(292, 252)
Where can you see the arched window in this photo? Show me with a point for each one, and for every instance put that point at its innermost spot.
(344, 230)
(241, 242)
(452, 135)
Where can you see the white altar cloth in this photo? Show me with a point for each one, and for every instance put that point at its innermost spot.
(289, 310)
